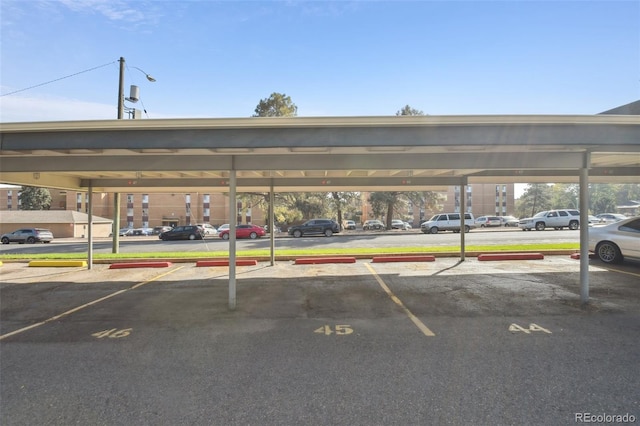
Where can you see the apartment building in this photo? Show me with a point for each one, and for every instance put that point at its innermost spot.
(139, 210)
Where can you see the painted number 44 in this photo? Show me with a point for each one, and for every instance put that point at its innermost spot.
(114, 333)
(339, 330)
(532, 327)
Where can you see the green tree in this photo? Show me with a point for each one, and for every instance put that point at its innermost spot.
(34, 198)
(536, 198)
(384, 204)
(276, 105)
(602, 198)
(407, 110)
(339, 201)
(628, 192)
(565, 196)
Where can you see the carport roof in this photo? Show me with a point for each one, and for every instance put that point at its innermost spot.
(319, 153)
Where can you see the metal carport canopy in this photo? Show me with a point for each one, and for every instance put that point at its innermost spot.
(322, 153)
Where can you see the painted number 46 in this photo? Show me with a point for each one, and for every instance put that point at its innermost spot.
(114, 333)
(339, 330)
(532, 327)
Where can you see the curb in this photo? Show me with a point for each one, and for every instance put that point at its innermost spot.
(409, 258)
(140, 265)
(511, 256)
(57, 263)
(240, 262)
(317, 260)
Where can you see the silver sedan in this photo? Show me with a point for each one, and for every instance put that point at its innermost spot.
(614, 242)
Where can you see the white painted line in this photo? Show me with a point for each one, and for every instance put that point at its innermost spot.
(86, 305)
(425, 330)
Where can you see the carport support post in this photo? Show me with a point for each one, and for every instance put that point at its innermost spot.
(584, 230)
(233, 214)
(463, 208)
(272, 227)
(115, 243)
(90, 230)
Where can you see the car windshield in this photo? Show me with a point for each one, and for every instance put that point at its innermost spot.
(540, 214)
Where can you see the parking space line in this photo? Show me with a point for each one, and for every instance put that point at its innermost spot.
(622, 272)
(425, 330)
(86, 305)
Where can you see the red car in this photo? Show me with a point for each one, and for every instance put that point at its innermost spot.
(244, 231)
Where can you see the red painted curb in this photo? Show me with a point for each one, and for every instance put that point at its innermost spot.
(577, 256)
(140, 265)
(417, 258)
(242, 262)
(316, 260)
(511, 256)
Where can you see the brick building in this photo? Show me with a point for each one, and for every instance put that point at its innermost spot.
(139, 210)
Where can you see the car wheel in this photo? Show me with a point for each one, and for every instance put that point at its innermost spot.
(192, 237)
(481, 226)
(225, 236)
(31, 240)
(253, 235)
(608, 252)
(328, 232)
(540, 226)
(433, 230)
(5, 240)
(467, 229)
(297, 233)
(573, 225)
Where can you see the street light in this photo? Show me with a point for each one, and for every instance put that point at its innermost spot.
(116, 196)
(121, 87)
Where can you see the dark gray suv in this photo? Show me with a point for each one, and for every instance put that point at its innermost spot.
(326, 227)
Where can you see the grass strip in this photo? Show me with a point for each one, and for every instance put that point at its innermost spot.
(296, 252)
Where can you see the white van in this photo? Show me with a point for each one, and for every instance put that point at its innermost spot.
(447, 222)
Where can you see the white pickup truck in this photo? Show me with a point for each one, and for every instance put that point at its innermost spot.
(556, 219)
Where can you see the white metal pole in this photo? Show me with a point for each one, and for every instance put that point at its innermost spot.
(584, 230)
(232, 239)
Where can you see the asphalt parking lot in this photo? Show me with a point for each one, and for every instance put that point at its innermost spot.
(442, 342)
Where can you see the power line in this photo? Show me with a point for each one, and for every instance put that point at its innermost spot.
(57, 79)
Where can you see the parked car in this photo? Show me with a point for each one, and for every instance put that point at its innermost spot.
(614, 242)
(276, 228)
(125, 232)
(223, 227)
(399, 224)
(244, 231)
(208, 229)
(595, 220)
(508, 221)
(610, 217)
(326, 227)
(157, 230)
(447, 222)
(141, 231)
(556, 219)
(187, 232)
(350, 225)
(28, 235)
(373, 224)
(487, 221)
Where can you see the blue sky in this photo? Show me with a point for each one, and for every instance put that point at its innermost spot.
(218, 59)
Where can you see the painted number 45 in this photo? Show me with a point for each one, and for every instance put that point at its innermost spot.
(339, 330)
(532, 327)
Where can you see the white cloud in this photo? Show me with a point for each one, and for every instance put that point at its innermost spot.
(18, 108)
